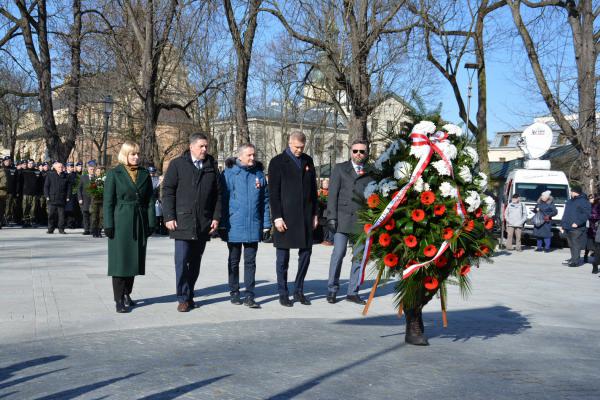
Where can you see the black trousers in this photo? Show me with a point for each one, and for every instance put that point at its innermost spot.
(86, 220)
(577, 239)
(282, 263)
(233, 267)
(188, 255)
(55, 212)
(122, 285)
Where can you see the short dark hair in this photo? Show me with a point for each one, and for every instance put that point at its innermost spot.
(194, 137)
(360, 141)
(516, 196)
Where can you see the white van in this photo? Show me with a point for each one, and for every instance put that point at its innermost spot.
(529, 184)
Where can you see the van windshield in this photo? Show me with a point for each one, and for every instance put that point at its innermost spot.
(531, 192)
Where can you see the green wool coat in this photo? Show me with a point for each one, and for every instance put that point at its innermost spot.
(129, 209)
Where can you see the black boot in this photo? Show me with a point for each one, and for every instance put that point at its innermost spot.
(128, 301)
(415, 332)
(594, 268)
(121, 307)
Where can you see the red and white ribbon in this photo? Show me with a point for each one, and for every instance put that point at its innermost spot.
(418, 139)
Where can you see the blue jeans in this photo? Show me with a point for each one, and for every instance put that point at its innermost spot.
(546, 243)
(233, 267)
(188, 254)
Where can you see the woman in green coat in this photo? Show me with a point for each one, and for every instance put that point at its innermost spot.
(128, 222)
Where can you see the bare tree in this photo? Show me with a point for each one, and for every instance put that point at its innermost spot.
(348, 35)
(581, 17)
(242, 42)
(452, 31)
(13, 107)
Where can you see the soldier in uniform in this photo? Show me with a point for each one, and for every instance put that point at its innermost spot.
(28, 187)
(96, 210)
(72, 207)
(83, 195)
(12, 187)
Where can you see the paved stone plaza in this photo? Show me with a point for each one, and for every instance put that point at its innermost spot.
(529, 330)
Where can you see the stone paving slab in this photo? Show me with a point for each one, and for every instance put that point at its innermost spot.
(528, 331)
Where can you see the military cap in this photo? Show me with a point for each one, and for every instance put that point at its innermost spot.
(91, 163)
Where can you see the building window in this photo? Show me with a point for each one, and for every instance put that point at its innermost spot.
(389, 126)
(339, 147)
(221, 144)
(374, 125)
(504, 140)
(374, 150)
(231, 141)
(318, 145)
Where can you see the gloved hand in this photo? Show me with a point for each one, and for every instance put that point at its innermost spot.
(266, 235)
(109, 232)
(332, 225)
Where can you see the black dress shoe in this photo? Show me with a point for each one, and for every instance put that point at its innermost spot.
(235, 299)
(121, 307)
(86, 233)
(62, 231)
(285, 301)
(331, 298)
(299, 297)
(573, 265)
(250, 303)
(128, 301)
(355, 299)
(49, 232)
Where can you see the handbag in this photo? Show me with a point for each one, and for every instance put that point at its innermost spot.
(538, 219)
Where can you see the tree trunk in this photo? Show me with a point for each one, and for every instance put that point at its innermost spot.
(74, 79)
(482, 144)
(241, 115)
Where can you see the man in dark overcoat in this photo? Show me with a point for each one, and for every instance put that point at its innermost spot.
(294, 209)
(85, 200)
(28, 182)
(57, 190)
(346, 191)
(191, 200)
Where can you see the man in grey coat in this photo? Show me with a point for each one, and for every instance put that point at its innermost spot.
(515, 216)
(346, 186)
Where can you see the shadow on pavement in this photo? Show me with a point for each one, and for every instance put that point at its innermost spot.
(309, 384)
(181, 390)
(8, 372)
(483, 323)
(80, 390)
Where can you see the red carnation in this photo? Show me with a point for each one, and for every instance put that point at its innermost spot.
(430, 283)
(439, 209)
(489, 224)
(465, 269)
(427, 198)
(410, 241)
(448, 233)
(478, 213)
(485, 249)
(373, 200)
(418, 215)
(430, 251)
(410, 264)
(459, 253)
(390, 225)
(385, 239)
(469, 225)
(440, 262)
(367, 227)
(391, 260)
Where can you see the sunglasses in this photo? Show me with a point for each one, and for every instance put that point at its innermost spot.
(355, 151)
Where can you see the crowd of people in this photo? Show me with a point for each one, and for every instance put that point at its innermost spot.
(579, 225)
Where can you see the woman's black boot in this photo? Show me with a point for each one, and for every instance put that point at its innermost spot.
(415, 332)
(121, 307)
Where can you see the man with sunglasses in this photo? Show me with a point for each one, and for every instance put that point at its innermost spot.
(346, 187)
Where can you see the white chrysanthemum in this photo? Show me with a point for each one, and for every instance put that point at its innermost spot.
(483, 181)
(402, 170)
(441, 167)
(465, 174)
(386, 186)
(370, 189)
(448, 149)
(490, 206)
(473, 200)
(426, 127)
(472, 154)
(395, 146)
(453, 129)
(421, 186)
(447, 190)
(419, 151)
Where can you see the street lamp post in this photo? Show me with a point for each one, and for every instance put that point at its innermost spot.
(471, 68)
(108, 109)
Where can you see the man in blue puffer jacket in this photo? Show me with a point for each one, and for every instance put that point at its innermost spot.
(573, 223)
(245, 219)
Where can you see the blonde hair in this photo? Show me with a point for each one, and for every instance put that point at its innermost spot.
(126, 149)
